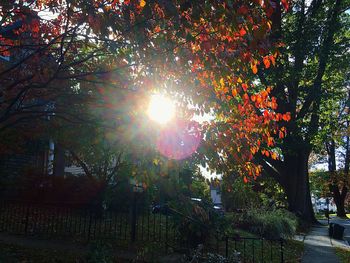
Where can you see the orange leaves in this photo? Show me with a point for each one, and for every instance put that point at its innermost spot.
(266, 61)
(254, 66)
(286, 116)
(234, 92)
(142, 3)
(273, 103)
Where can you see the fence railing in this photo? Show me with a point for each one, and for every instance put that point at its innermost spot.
(255, 249)
(84, 224)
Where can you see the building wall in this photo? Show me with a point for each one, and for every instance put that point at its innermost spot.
(215, 195)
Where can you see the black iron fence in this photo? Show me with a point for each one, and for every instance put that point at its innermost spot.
(255, 249)
(59, 221)
(84, 224)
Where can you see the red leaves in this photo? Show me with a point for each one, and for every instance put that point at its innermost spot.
(281, 135)
(285, 4)
(242, 32)
(245, 98)
(243, 10)
(35, 26)
(286, 116)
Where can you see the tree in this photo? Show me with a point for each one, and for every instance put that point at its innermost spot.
(313, 34)
(203, 54)
(334, 137)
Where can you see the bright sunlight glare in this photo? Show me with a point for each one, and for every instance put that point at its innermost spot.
(161, 109)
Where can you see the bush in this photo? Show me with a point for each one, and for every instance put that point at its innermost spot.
(196, 221)
(100, 252)
(269, 224)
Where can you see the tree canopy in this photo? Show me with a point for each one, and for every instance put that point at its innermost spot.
(69, 58)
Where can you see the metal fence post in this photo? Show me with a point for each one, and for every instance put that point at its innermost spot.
(90, 221)
(281, 248)
(133, 219)
(166, 231)
(26, 221)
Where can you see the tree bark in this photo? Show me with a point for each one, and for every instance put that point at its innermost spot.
(338, 196)
(339, 199)
(295, 182)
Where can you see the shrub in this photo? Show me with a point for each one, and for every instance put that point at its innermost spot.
(196, 221)
(269, 224)
(100, 252)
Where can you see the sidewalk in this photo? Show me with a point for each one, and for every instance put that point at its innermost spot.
(319, 247)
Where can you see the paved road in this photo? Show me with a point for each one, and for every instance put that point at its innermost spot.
(318, 247)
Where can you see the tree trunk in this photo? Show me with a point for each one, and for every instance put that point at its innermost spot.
(295, 182)
(339, 199)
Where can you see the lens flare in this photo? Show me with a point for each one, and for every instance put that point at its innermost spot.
(161, 109)
(179, 140)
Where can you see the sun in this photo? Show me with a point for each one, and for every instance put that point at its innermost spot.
(161, 109)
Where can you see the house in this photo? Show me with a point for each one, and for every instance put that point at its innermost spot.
(19, 114)
(215, 194)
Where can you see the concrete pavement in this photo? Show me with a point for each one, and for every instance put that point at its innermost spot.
(345, 223)
(318, 247)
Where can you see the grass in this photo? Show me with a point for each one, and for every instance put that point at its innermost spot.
(15, 254)
(80, 227)
(293, 251)
(253, 250)
(320, 216)
(343, 254)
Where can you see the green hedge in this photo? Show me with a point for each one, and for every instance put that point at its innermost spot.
(269, 224)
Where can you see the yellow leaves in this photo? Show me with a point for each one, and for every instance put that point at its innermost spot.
(222, 82)
(254, 67)
(274, 156)
(142, 3)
